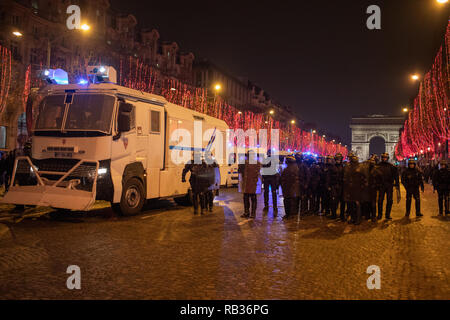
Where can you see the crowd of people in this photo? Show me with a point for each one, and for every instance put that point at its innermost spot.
(326, 185)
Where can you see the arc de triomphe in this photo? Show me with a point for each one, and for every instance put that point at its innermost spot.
(364, 129)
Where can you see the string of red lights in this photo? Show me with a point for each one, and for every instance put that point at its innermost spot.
(427, 129)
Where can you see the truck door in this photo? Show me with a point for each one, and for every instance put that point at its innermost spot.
(155, 151)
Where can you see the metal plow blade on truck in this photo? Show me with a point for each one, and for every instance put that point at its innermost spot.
(53, 186)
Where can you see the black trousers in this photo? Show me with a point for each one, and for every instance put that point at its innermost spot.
(199, 199)
(303, 200)
(443, 198)
(250, 200)
(210, 195)
(270, 182)
(291, 206)
(314, 199)
(336, 199)
(354, 209)
(387, 192)
(409, 195)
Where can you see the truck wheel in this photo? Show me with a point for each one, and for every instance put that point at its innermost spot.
(185, 201)
(133, 198)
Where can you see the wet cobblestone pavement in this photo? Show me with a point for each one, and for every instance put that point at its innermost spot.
(168, 253)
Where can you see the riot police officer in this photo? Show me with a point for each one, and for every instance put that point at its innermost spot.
(412, 180)
(270, 179)
(327, 168)
(441, 184)
(389, 178)
(353, 184)
(323, 172)
(313, 189)
(290, 187)
(303, 174)
(195, 167)
(336, 181)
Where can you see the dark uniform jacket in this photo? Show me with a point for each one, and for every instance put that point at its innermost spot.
(388, 175)
(314, 176)
(290, 182)
(354, 181)
(441, 180)
(303, 175)
(412, 179)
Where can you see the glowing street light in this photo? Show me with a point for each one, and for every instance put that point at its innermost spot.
(415, 77)
(314, 131)
(442, 1)
(17, 34)
(218, 87)
(272, 112)
(405, 110)
(85, 27)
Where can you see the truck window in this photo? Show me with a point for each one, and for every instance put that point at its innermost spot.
(155, 117)
(51, 112)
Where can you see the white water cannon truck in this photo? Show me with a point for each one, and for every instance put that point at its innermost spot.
(96, 140)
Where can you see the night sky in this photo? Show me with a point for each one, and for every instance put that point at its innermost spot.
(317, 56)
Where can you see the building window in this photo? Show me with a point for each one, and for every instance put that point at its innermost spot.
(155, 117)
(15, 21)
(15, 51)
(34, 56)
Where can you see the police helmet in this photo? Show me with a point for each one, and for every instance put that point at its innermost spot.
(290, 159)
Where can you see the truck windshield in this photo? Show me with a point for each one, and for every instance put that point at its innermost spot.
(88, 112)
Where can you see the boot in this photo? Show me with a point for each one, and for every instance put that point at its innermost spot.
(388, 212)
(418, 213)
(408, 208)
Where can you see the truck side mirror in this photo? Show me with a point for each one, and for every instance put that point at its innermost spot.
(124, 119)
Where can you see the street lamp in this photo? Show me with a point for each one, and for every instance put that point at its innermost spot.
(405, 110)
(218, 87)
(442, 1)
(84, 27)
(272, 112)
(17, 33)
(293, 122)
(415, 77)
(314, 131)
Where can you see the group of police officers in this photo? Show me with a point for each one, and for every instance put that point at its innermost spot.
(327, 184)
(323, 185)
